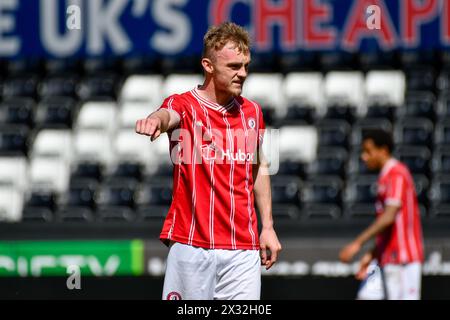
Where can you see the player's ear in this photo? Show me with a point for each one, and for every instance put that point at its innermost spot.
(207, 65)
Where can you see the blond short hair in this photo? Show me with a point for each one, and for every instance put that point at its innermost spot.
(218, 36)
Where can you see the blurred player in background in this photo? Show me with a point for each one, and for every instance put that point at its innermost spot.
(399, 245)
(219, 173)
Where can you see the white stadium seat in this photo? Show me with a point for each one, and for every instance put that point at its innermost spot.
(298, 143)
(180, 83)
(345, 87)
(130, 112)
(266, 90)
(49, 174)
(14, 172)
(142, 88)
(93, 145)
(386, 87)
(306, 87)
(11, 204)
(130, 146)
(53, 143)
(97, 115)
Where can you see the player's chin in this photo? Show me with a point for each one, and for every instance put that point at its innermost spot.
(236, 91)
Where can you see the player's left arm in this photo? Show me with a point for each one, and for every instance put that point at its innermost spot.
(269, 244)
(385, 220)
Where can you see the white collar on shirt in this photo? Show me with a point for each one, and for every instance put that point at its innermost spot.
(388, 166)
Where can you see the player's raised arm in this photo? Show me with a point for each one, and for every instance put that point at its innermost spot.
(157, 123)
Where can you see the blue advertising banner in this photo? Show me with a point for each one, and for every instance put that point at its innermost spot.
(69, 28)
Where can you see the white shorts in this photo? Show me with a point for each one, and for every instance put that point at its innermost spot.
(392, 282)
(194, 273)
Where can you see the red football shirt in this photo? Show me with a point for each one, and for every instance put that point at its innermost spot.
(213, 150)
(402, 242)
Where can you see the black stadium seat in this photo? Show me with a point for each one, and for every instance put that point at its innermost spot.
(131, 170)
(419, 104)
(442, 133)
(360, 195)
(439, 195)
(81, 193)
(333, 133)
(21, 86)
(441, 160)
(14, 140)
(422, 185)
(37, 214)
(377, 110)
(59, 85)
(155, 191)
(75, 215)
(286, 189)
(420, 78)
(417, 159)
(151, 212)
(42, 199)
(115, 214)
(17, 110)
(89, 170)
(56, 112)
(99, 86)
(322, 197)
(117, 193)
(329, 161)
(414, 131)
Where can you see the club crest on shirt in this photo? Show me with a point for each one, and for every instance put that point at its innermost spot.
(174, 296)
(251, 123)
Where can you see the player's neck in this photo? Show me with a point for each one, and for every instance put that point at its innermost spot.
(385, 160)
(209, 92)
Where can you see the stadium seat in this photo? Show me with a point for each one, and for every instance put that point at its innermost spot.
(14, 172)
(285, 211)
(93, 145)
(442, 133)
(99, 85)
(443, 106)
(303, 94)
(419, 104)
(441, 160)
(18, 110)
(130, 112)
(333, 133)
(128, 146)
(56, 112)
(417, 159)
(439, 196)
(422, 185)
(291, 167)
(143, 88)
(37, 214)
(87, 170)
(62, 67)
(139, 64)
(180, 83)
(41, 199)
(115, 214)
(185, 64)
(53, 143)
(334, 61)
(329, 161)
(266, 89)
(155, 191)
(21, 86)
(297, 61)
(151, 213)
(344, 88)
(14, 140)
(11, 204)
(49, 173)
(367, 124)
(130, 169)
(321, 197)
(59, 85)
(75, 215)
(81, 193)
(378, 60)
(117, 193)
(421, 78)
(286, 189)
(360, 195)
(291, 149)
(97, 116)
(385, 87)
(414, 131)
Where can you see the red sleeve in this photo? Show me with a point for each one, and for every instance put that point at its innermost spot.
(174, 103)
(261, 127)
(396, 185)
